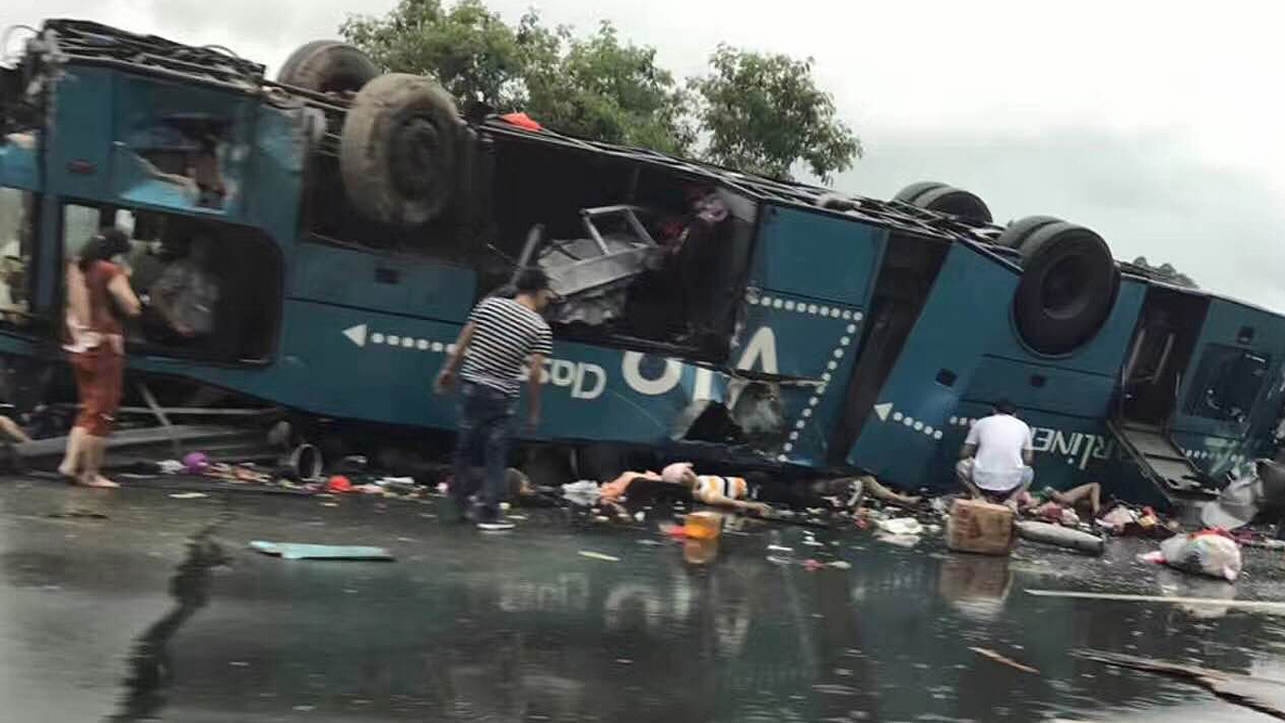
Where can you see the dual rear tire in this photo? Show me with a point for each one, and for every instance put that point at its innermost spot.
(401, 138)
(1069, 278)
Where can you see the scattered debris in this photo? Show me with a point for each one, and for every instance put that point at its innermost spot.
(1264, 695)
(1267, 606)
(1060, 536)
(900, 526)
(188, 495)
(906, 541)
(988, 653)
(81, 514)
(598, 556)
(840, 564)
(196, 462)
(304, 551)
(1208, 552)
(338, 483)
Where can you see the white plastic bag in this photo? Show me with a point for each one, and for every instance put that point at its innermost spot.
(1202, 553)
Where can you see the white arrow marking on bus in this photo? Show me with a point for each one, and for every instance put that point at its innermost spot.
(356, 334)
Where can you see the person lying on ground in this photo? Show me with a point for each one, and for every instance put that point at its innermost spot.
(859, 487)
(756, 492)
(522, 493)
(647, 487)
(995, 461)
(1085, 498)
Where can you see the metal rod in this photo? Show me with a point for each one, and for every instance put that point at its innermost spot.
(160, 414)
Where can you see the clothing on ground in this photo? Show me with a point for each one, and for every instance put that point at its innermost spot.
(1000, 440)
(711, 487)
(650, 489)
(505, 333)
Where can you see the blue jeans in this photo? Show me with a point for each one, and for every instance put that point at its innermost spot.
(485, 425)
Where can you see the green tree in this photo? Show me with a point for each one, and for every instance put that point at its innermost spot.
(596, 87)
(763, 113)
(756, 113)
(472, 52)
(604, 89)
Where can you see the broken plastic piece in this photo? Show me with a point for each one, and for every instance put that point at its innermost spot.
(988, 653)
(304, 551)
(522, 120)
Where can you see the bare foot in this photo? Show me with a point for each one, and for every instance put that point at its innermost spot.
(101, 482)
(67, 472)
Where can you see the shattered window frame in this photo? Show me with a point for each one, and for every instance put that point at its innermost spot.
(132, 220)
(1219, 377)
(19, 226)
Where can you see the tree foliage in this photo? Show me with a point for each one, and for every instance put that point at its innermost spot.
(763, 113)
(472, 52)
(598, 87)
(754, 112)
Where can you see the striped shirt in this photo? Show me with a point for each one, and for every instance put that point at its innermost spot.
(710, 487)
(505, 333)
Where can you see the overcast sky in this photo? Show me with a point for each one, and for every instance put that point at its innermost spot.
(1157, 126)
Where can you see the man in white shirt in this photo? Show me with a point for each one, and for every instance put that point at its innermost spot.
(995, 462)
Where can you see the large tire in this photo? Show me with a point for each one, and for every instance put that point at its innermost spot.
(1068, 286)
(327, 66)
(945, 199)
(397, 153)
(1016, 233)
(915, 190)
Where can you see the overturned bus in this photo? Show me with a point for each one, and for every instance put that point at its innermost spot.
(350, 219)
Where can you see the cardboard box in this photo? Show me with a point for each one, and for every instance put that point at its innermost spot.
(982, 527)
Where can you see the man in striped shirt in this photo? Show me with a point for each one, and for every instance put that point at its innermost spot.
(499, 338)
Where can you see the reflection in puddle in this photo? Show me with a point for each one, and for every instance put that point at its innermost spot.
(151, 670)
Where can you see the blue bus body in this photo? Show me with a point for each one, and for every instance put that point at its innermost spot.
(357, 333)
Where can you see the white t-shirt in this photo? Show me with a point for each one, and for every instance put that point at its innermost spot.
(1000, 440)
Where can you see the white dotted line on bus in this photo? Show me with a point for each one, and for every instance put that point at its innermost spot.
(802, 307)
(410, 342)
(918, 425)
(831, 365)
(1206, 454)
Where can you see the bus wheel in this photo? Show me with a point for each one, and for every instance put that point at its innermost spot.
(327, 66)
(942, 198)
(1016, 233)
(1068, 286)
(398, 148)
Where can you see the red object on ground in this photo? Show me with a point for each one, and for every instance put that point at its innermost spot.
(339, 483)
(522, 120)
(812, 565)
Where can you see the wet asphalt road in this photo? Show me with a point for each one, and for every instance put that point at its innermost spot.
(158, 611)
